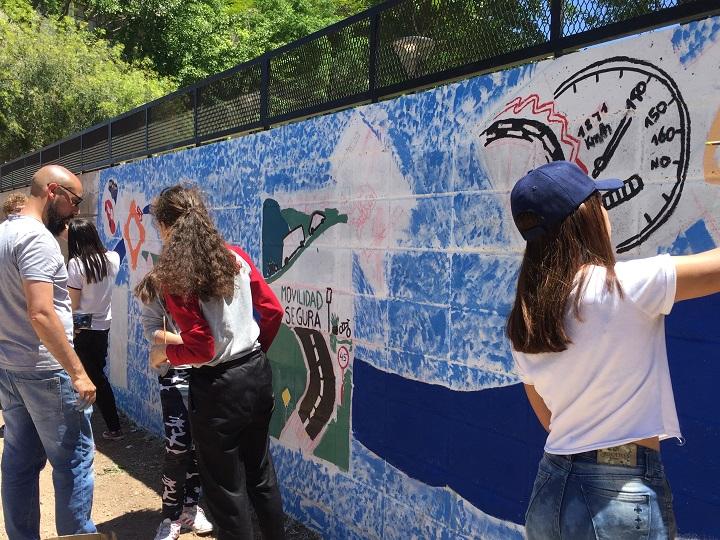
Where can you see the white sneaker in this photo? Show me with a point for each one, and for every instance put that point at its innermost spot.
(168, 530)
(193, 519)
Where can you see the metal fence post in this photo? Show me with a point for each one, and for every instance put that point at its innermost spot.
(195, 115)
(265, 91)
(147, 130)
(373, 60)
(109, 141)
(556, 25)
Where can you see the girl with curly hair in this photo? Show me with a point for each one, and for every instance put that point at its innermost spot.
(211, 290)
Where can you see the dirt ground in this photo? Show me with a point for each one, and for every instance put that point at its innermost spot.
(127, 489)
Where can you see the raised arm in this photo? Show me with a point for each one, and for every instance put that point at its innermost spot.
(697, 275)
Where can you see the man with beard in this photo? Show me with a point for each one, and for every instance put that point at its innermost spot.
(45, 392)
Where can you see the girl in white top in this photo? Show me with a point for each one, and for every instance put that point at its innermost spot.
(588, 341)
(91, 276)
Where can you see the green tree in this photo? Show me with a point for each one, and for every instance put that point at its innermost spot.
(578, 17)
(269, 24)
(191, 39)
(183, 39)
(57, 78)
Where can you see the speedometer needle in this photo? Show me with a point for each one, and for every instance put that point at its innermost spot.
(602, 161)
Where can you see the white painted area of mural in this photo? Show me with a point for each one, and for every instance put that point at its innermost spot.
(117, 346)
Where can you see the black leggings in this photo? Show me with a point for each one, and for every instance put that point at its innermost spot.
(91, 347)
(230, 410)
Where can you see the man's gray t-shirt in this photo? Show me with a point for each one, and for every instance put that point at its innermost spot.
(28, 251)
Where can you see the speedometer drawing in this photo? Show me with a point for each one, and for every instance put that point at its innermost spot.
(635, 126)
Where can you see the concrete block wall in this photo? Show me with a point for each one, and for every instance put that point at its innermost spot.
(385, 232)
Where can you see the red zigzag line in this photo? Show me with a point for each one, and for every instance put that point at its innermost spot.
(553, 117)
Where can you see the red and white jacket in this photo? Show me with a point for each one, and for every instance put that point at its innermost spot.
(216, 330)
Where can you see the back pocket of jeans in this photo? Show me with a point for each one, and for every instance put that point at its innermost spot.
(618, 514)
(540, 480)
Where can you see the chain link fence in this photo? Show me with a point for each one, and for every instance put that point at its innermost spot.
(395, 47)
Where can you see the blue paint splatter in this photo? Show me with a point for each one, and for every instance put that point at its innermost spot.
(361, 285)
(430, 224)
(690, 40)
(484, 281)
(418, 328)
(421, 277)
(371, 320)
(426, 134)
(694, 240)
(477, 337)
(481, 221)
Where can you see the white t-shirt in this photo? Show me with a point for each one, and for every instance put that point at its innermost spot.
(95, 297)
(612, 384)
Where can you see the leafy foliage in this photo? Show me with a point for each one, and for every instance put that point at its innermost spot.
(191, 39)
(269, 24)
(57, 78)
(183, 39)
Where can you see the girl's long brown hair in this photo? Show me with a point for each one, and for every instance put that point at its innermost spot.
(194, 259)
(553, 266)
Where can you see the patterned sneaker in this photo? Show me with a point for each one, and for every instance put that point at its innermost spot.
(168, 530)
(193, 519)
(113, 435)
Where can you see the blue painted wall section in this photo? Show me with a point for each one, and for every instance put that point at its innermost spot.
(484, 445)
(386, 233)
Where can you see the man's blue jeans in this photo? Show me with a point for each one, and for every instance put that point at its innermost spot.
(576, 497)
(41, 424)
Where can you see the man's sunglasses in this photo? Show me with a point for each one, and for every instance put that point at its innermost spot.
(77, 200)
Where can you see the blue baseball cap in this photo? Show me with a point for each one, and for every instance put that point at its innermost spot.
(545, 196)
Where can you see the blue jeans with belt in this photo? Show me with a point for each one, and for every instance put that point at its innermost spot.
(41, 424)
(574, 497)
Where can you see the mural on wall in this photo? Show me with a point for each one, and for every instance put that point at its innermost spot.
(644, 109)
(385, 232)
(311, 379)
(125, 226)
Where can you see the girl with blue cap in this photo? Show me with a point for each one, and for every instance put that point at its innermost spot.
(588, 340)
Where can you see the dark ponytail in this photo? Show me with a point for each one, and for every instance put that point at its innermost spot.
(84, 243)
